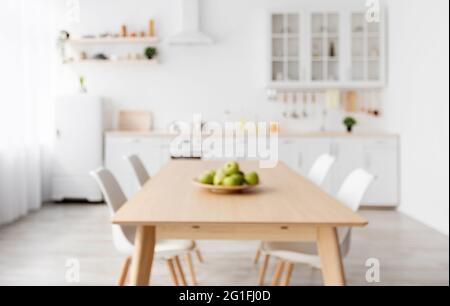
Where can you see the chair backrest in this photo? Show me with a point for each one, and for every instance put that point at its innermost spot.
(115, 198)
(354, 187)
(321, 168)
(110, 188)
(351, 194)
(138, 168)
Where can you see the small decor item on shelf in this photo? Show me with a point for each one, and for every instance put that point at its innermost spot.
(105, 35)
(83, 56)
(100, 57)
(151, 28)
(150, 52)
(350, 122)
(123, 31)
(332, 51)
(83, 88)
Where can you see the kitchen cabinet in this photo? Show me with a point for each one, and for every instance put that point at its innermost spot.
(325, 39)
(378, 156)
(289, 153)
(381, 159)
(349, 156)
(286, 59)
(154, 152)
(322, 48)
(367, 57)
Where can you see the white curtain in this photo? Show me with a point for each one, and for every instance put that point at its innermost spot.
(27, 53)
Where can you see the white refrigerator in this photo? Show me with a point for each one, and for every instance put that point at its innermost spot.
(78, 147)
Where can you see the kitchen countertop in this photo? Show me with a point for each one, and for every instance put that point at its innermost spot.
(326, 134)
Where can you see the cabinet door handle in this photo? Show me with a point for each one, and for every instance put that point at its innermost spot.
(58, 133)
(300, 160)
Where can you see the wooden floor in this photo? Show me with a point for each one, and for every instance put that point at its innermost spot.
(34, 251)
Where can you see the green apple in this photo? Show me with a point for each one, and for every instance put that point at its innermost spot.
(252, 178)
(207, 177)
(233, 180)
(219, 177)
(230, 168)
(211, 172)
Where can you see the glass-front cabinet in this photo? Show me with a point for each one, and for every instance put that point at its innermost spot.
(285, 47)
(325, 39)
(326, 48)
(366, 49)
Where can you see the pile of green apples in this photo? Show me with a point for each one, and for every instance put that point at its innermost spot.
(229, 175)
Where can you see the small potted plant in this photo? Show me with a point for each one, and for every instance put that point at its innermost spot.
(350, 122)
(150, 53)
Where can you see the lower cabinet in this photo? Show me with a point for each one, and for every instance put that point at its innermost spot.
(154, 152)
(379, 156)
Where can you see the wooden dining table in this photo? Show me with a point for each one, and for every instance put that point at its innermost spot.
(284, 207)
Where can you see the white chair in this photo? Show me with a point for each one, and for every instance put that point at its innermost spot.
(320, 169)
(138, 168)
(351, 194)
(317, 174)
(123, 236)
(143, 177)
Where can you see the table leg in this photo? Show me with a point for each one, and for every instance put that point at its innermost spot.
(330, 257)
(142, 261)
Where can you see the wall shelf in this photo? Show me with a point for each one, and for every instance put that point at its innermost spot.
(114, 40)
(111, 62)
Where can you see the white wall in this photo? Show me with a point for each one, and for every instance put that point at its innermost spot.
(417, 105)
(229, 75)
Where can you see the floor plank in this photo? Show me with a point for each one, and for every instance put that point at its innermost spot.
(35, 250)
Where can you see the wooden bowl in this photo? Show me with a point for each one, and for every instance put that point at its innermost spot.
(222, 189)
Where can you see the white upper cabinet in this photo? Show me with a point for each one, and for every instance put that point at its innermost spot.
(319, 48)
(367, 57)
(286, 63)
(325, 39)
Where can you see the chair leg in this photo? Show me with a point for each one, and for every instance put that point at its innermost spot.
(257, 256)
(258, 253)
(124, 272)
(199, 255)
(263, 269)
(180, 270)
(191, 269)
(278, 273)
(173, 274)
(287, 278)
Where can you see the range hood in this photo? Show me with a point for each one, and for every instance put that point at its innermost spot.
(190, 33)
